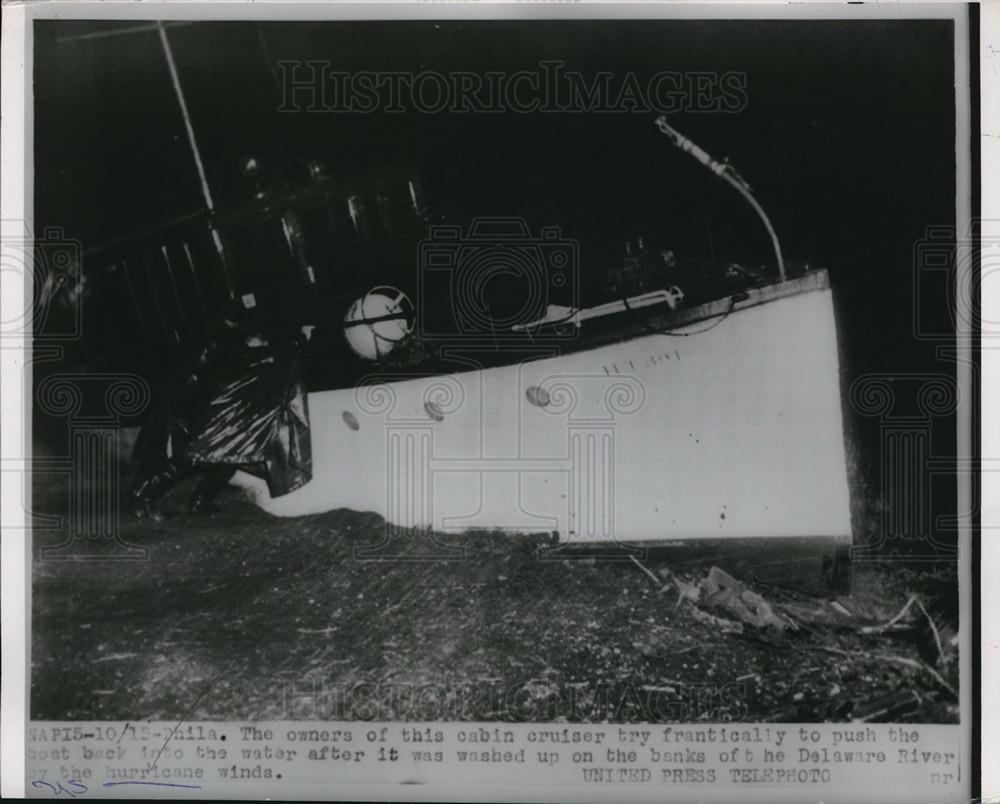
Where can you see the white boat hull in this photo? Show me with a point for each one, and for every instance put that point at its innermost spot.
(729, 427)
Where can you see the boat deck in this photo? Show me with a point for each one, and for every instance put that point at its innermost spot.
(331, 368)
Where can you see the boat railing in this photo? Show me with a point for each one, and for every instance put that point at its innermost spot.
(170, 277)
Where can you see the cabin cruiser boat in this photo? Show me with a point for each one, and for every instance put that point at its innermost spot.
(630, 424)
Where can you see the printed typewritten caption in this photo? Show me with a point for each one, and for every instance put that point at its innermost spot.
(262, 758)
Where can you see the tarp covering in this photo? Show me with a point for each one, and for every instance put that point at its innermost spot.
(239, 401)
(259, 419)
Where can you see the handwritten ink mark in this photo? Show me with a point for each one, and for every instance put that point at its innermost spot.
(180, 722)
(58, 789)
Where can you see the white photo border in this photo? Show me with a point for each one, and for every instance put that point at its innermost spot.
(17, 212)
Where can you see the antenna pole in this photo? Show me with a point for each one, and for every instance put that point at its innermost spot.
(730, 176)
(196, 153)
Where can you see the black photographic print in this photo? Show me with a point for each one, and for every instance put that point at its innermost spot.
(516, 405)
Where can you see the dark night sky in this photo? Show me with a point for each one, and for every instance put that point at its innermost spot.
(848, 140)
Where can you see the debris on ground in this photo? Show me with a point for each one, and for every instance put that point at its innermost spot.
(730, 605)
(721, 592)
(233, 611)
(725, 600)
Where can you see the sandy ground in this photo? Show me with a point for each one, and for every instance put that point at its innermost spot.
(242, 615)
